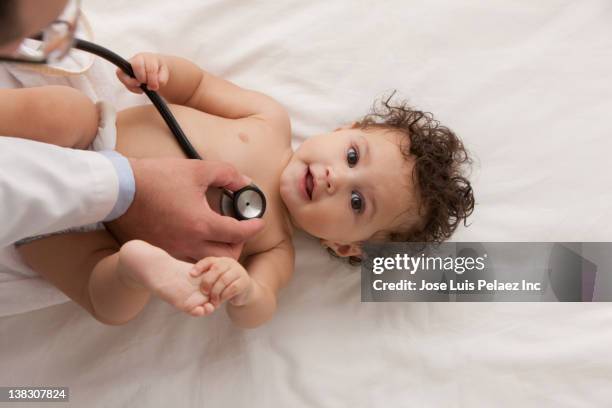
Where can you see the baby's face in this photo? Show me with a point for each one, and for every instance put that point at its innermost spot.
(346, 185)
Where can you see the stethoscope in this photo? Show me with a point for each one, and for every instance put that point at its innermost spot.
(248, 202)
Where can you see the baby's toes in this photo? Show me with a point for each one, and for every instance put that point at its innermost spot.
(195, 299)
(208, 309)
(197, 311)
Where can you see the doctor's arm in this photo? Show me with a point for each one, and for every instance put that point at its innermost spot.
(46, 188)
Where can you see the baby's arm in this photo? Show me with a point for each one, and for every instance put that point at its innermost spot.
(251, 296)
(182, 82)
(58, 115)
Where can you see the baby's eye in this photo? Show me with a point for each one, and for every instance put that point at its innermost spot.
(356, 202)
(352, 156)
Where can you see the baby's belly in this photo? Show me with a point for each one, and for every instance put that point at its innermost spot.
(141, 132)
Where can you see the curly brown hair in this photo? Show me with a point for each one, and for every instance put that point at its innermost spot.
(445, 195)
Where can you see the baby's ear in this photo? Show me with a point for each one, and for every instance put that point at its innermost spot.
(343, 249)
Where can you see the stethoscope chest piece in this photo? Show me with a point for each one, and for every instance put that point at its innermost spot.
(247, 203)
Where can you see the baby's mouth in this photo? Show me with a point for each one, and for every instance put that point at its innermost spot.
(309, 183)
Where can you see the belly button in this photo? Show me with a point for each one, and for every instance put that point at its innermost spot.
(244, 137)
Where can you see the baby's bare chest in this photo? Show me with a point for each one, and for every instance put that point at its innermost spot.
(247, 144)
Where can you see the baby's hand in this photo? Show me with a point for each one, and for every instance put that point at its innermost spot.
(149, 68)
(224, 279)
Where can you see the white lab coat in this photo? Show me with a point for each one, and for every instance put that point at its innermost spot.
(45, 188)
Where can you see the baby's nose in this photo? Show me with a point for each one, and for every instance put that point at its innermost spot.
(330, 180)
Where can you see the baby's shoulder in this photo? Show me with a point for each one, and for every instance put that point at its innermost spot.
(276, 237)
(272, 119)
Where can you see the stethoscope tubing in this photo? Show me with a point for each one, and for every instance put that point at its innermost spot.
(157, 101)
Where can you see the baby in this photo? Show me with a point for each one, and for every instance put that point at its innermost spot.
(396, 175)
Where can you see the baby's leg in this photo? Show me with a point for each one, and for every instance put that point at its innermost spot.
(114, 284)
(69, 262)
(57, 115)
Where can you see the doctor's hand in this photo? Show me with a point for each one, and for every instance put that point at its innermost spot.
(170, 209)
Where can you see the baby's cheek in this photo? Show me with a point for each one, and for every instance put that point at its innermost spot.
(325, 222)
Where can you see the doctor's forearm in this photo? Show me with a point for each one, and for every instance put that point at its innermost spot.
(49, 188)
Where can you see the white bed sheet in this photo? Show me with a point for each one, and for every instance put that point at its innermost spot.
(527, 85)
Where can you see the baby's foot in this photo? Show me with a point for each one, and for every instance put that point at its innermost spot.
(146, 266)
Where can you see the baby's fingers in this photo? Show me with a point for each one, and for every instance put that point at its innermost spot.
(138, 66)
(212, 275)
(130, 83)
(232, 290)
(202, 266)
(224, 281)
(126, 79)
(152, 69)
(163, 75)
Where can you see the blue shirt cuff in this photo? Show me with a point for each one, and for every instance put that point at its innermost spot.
(127, 184)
